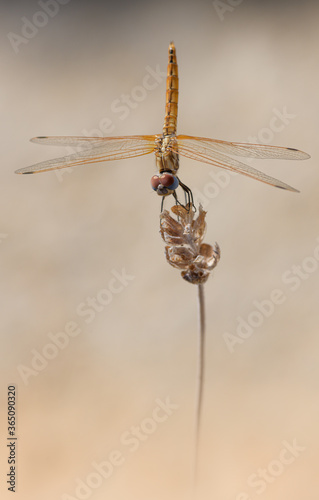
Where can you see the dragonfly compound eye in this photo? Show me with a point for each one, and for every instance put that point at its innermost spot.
(164, 183)
(169, 181)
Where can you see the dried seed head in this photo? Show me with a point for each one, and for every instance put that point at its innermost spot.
(185, 249)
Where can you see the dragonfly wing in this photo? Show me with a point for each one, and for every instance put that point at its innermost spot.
(96, 149)
(196, 150)
(77, 141)
(244, 149)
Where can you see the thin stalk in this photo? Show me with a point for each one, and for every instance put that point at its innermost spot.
(200, 376)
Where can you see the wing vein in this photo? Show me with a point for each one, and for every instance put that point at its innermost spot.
(102, 149)
(202, 154)
(243, 149)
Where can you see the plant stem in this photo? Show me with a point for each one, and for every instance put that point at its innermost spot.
(200, 376)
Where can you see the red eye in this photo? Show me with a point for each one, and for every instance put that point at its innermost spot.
(167, 180)
(155, 182)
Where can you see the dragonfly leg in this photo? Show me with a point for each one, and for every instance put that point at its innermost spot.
(188, 197)
(162, 202)
(189, 200)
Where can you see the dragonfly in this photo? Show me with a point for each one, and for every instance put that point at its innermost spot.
(167, 148)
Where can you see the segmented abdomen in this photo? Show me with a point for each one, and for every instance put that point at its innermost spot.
(170, 121)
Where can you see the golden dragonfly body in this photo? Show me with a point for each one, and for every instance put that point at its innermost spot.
(167, 148)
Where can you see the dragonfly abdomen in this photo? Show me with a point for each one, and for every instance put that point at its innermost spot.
(170, 121)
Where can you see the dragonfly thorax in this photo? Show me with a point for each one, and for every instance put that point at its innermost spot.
(167, 159)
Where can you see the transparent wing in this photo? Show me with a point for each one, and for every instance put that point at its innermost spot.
(95, 149)
(208, 151)
(244, 149)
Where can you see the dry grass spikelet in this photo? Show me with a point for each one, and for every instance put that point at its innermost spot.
(185, 249)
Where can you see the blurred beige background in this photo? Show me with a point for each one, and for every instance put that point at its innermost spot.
(247, 70)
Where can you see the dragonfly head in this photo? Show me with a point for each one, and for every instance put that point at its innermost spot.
(164, 183)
